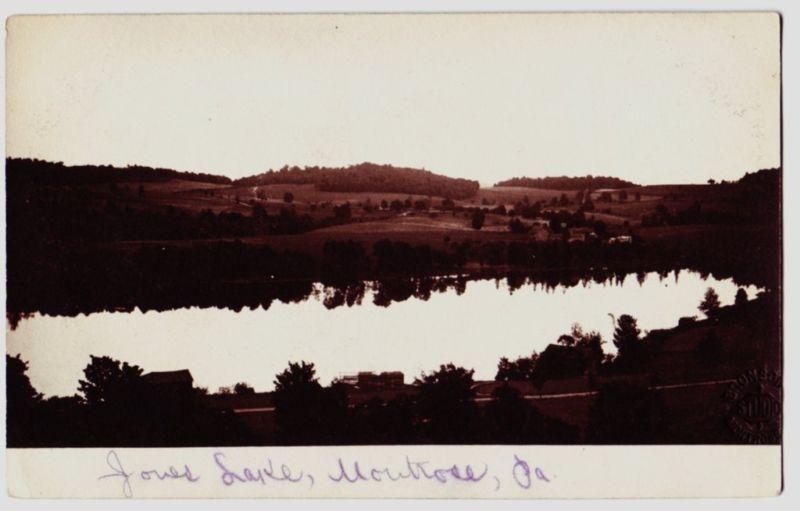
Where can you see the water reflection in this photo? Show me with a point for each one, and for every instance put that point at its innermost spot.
(251, 294)
(348, 328)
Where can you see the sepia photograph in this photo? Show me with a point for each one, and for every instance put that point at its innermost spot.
(318, 230)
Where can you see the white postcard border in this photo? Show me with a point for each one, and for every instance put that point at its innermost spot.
(435, 471)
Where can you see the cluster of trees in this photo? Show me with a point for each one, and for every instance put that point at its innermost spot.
(573, 355)
(409, 203)
(399, 257)
(114, 406)
(580, 354)
(622, 196)
(587, 182)
(562, 219)
(240, 389)
(558, 219)
(368, 177)
(526, 209)
(21, 171)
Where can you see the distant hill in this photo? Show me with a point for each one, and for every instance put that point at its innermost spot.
(567, 183)
(760, 195)
(767, 179)
(21, 170)
(368, 177)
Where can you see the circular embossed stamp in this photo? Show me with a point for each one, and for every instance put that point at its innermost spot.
(755, 406)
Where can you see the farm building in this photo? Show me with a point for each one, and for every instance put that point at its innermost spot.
(181, 378)
(580, 234)
(620, 240)
(170, 383)
(369, 380)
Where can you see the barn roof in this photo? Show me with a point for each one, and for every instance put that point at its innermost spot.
(179, 376)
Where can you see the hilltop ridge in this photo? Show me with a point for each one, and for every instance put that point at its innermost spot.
(368, 177)
(587, 182)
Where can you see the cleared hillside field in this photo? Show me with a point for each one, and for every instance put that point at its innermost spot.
(609, 219)
(661, 190)
(309, 194)
(506, 195)
(158, 188)
(192, 196)
(401, 223)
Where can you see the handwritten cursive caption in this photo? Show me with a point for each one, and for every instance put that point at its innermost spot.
(227, 472)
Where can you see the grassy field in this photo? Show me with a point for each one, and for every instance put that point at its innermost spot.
(510, 195)
(434, 227)
(191, 196)
(308, 194)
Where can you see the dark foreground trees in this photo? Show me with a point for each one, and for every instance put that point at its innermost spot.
(440, 408)
(573, 355)
(107, 383)
(710, 304)
(513, 420)
(627, 412)
(305, 411)
(115, 406)
(118, 406)
(22, 400)
(447, 406)
(631, 351)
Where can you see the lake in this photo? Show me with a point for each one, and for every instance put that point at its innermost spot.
(473, 328)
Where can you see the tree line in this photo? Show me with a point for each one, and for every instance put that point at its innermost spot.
(58, 278)
(587, 182)
(22, 171)
(368, 177)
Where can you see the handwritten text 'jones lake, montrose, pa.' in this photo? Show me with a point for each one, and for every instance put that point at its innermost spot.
(226, 471)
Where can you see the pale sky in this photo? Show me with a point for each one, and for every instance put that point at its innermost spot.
(652, 98)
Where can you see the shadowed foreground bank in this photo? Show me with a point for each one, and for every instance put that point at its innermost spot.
(663, 387)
